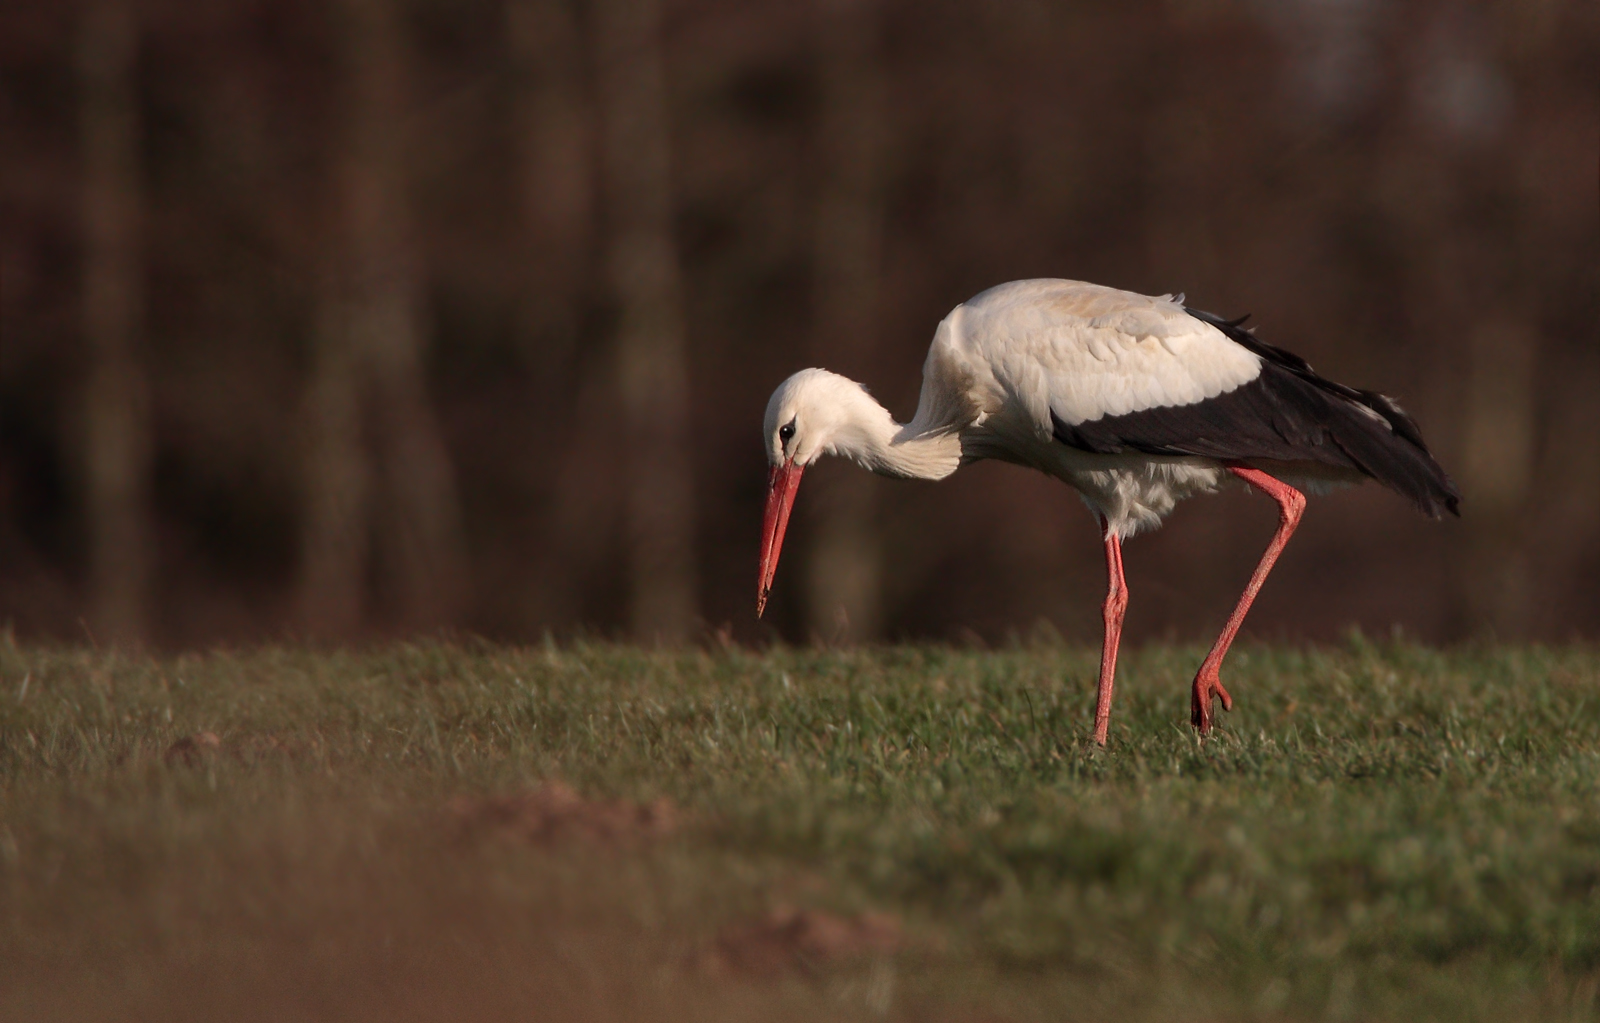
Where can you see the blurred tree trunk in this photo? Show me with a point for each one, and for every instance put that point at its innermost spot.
(645, 280)
(116, 406)
(371, 347)
(845, 572)
(1499, 457)
(337, 540)
(555, 166)
(553, 122)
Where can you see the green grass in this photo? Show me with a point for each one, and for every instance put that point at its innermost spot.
(1377, 832)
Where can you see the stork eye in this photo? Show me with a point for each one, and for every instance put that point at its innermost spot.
(786, 432)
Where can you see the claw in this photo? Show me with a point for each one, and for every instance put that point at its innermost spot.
(1205, 690)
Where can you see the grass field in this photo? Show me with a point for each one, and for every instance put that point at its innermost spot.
(1378, 832)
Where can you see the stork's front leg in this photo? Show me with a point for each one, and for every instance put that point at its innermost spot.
(1207, 686)
(1113, 610)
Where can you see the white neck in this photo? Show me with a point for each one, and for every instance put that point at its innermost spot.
(865, 433)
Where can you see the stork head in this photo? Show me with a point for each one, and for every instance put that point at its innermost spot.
(811, 414)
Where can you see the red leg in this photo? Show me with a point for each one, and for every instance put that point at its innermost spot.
(1291, 503)
(1115, 607)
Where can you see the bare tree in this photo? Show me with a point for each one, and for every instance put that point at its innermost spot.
(845, 572)
(371, 359)
(117, 427)
(645, 280)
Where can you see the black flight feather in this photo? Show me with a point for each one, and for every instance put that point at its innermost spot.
(1287, 413)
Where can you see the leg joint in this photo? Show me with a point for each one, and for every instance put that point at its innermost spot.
(1291, 504)
(1115, 604)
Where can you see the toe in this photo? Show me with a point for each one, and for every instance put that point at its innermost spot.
(1200, 707)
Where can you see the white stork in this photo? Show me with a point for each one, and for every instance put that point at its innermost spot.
(1136, 402)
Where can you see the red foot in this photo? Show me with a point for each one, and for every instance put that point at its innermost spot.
(1206, 687)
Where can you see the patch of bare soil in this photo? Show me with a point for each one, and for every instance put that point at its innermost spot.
(554, 813)
(804, 941)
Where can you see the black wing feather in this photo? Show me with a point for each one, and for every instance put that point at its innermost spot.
(1287, 413)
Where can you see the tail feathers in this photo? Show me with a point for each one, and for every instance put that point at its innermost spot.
(1393, 454)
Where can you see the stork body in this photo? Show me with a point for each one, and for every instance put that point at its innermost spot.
(1137, 402)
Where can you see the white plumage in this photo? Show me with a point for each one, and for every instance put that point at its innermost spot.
(1083, 351)
(1137, 402)
(1032, 350)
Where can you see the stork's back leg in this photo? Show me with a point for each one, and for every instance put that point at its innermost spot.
(1207, 684)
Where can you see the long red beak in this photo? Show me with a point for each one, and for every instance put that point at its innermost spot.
(782, 482)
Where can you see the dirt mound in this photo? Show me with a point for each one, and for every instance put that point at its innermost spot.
(266, 747)
(191, 749)
(802, 941)
(554, 813)
(251, 749)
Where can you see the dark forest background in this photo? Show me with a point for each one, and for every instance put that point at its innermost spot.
(365, 317)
